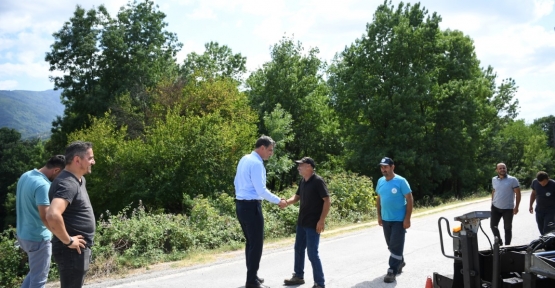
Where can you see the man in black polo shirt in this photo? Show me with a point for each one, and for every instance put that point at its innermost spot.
(314, 207)
(543, 189)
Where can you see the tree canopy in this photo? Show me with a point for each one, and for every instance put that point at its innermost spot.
(17, 156)
(167, 134)
(412, 92)
(102, 58)
(216, 61)
(294, 80)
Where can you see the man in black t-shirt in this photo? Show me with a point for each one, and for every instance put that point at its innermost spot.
(314, 207)
(543, 189)
(71, 217)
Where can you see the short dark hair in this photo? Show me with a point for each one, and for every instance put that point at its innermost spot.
(77, 148)
(542, 176)
(58, 161)
(265, 141)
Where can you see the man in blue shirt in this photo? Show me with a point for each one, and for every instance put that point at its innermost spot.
(394, 205)
(250, 190)
(33, 232)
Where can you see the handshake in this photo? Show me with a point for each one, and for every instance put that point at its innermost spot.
(283, 203)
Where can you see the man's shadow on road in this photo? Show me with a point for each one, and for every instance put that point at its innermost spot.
(376, 283)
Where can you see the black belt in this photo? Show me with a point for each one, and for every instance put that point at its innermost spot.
(238, 200)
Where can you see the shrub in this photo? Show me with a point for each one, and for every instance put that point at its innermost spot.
(141, 235)
(353, 196)
(13, 263)
(212, 229)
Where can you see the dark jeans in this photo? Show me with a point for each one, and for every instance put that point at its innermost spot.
(395, 238)
(507, 215)
(543, 219)
(251, 219)
(308, 238)
(72, 266)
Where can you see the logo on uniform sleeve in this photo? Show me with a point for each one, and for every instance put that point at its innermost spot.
(394, 190)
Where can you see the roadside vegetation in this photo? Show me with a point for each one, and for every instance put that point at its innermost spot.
(167, 136)
(137, 237)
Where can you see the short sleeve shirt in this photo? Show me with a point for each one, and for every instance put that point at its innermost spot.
(78, 216)
(504, 195)
(545, 196)
(32, 191)
(311, 195)
(392, 197)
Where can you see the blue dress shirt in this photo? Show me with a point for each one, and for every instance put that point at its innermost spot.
(250, 180)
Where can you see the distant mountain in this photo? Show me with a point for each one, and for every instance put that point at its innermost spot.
(30, 112)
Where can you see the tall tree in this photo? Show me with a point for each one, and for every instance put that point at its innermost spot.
(500, 112)
(279, 125)
(138, 52)
(16, 157)
(523, 148)
(412, 92)
(76, 54)
(216, 61)
(294, 79)
(104, 58)
(547, 125)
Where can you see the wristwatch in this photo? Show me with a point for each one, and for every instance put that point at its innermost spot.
(70, 242)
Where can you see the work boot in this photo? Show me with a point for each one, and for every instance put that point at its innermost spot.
(294, 280)
(390, 277)
(318, 286)
(400, 270)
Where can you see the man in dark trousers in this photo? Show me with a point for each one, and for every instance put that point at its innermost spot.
(543, 189)
(314, 207)
(250, 189)
(71, 217)
(505, 190)
(394, 207)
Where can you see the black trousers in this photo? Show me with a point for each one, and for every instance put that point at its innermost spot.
(507, 215)
(251, 219)
(545, 221)
(72, 266)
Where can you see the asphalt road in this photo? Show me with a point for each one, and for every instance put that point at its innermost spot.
(350, 259)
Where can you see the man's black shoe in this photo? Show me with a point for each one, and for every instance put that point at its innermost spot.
(294, 280)
(400, 270)
(390, 277)
(257, 285)
(261, 280)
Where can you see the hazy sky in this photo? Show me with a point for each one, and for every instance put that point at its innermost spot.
(515, 37)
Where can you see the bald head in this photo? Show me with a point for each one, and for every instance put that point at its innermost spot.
(501, 170)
